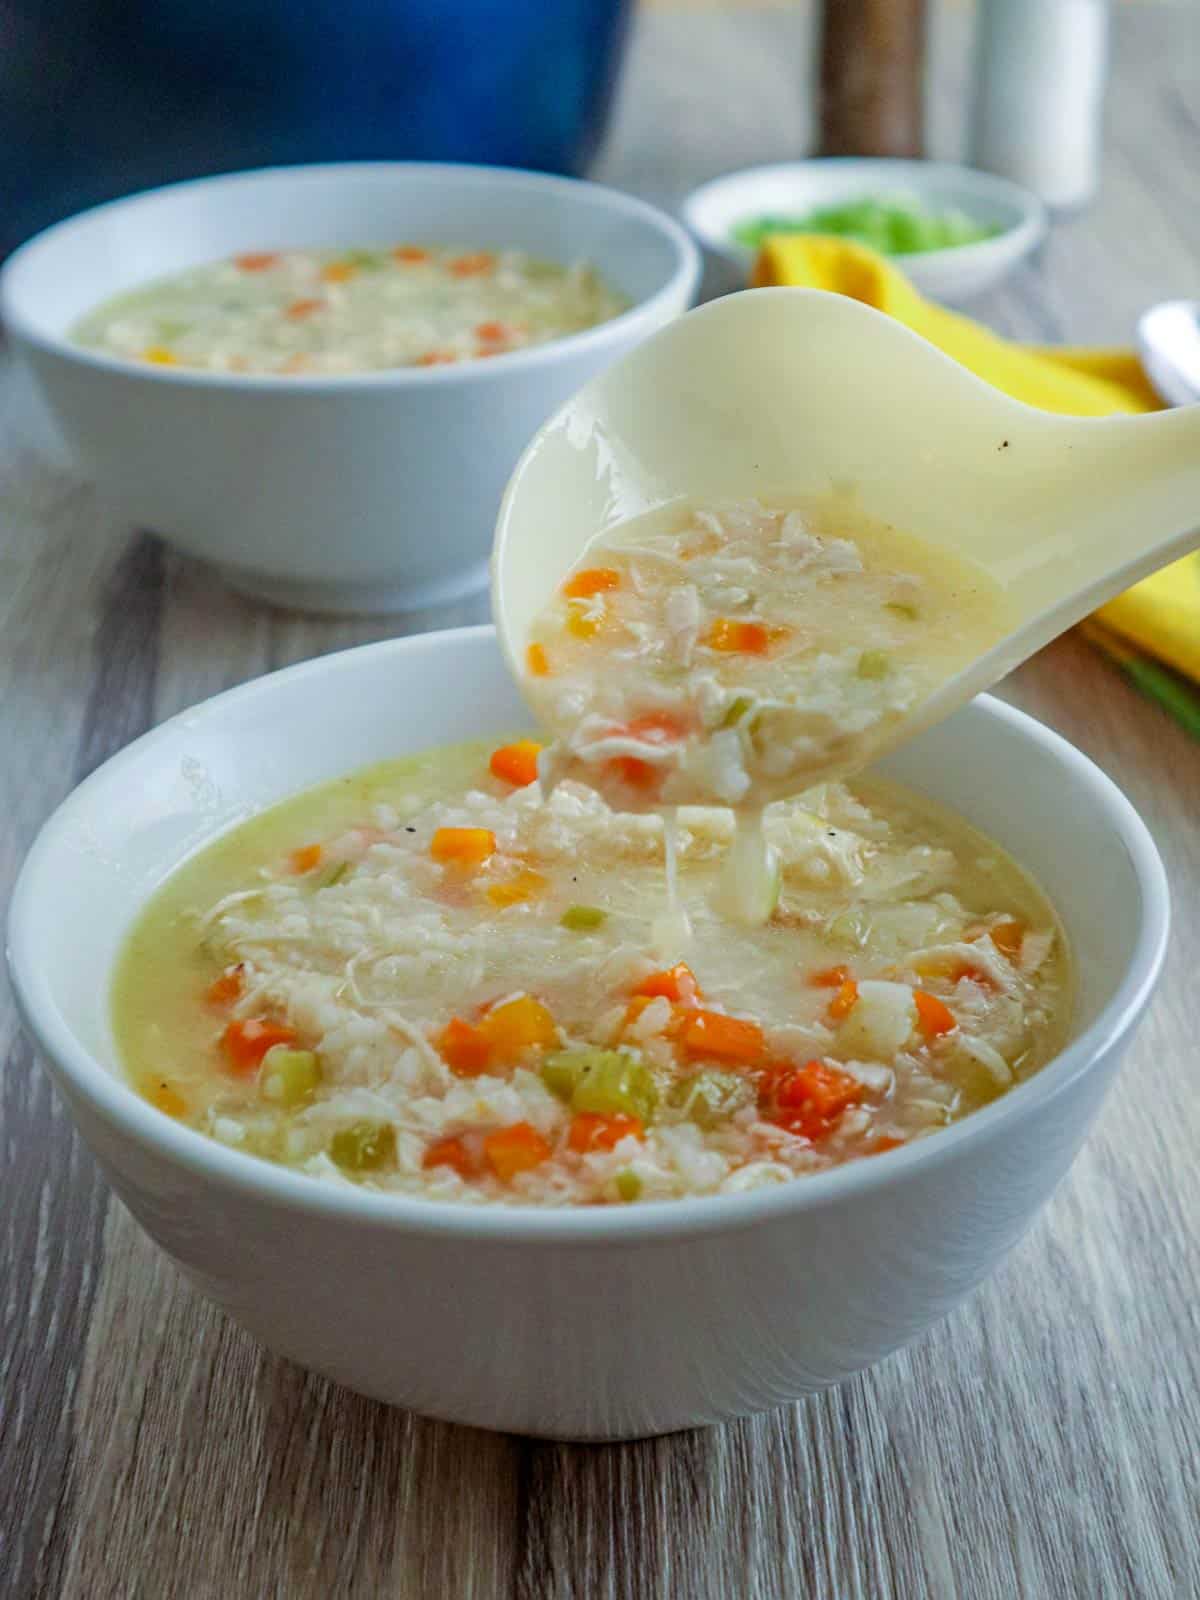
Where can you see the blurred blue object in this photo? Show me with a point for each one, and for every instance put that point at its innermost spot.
(99, 98)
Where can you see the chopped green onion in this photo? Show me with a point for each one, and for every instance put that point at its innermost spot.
(289, 1076)
(629, 1185)
(364, 1146)
(334, 875)
(580, 919)
(874, 664)
(902, 609)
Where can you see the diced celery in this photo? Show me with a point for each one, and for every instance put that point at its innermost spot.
(364, 1146)
(581, 919)
(334, 875)
(874, 664)
(711, 1097)
(613, 1083)
(562, 1070)
(629, 1185)
(737, 710)
(289, 1076)
(367, 260)
(603, 1081)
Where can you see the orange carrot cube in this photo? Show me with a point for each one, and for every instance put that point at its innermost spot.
(515, 1149)
(464, 847)
(516, 763)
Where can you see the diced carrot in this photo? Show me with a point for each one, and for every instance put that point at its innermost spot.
(637, 774)
(256, 260)
(410, 253)
(246, 1043)
(677, 983)
(592, 1131)
(745, 638)
(884, 1143)
(492, 332)
(305, 858)
(449, 1153)
(470, 266)
(299, 309)
(339, 272)
(515, 1149)
(464, 1048)
(517, 1026)
(537, 663)
(167, 1100)
(844, 1001)
(933, 1018)
(585, 622)
(1008, 937)
(223, 991)
(296, 362)
(810, 1099)
(713, 1036)
(436, 358)
(516, 763)
(830, 978)
(592, 580)
(515, 891)
(465, 847)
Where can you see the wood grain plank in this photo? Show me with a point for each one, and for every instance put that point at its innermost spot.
(79, 620)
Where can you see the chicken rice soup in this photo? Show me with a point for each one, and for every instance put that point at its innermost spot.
(322, 312)
(730, 654)
(434, 979)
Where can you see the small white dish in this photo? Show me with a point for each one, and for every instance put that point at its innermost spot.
(595, 1322)
(364, 492)
(794, 188)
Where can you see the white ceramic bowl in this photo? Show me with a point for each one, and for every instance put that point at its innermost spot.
(796, 187)
(594, 1322)
(369, 492)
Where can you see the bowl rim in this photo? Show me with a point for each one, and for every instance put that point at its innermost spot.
(683, 280)
(197, 1156)
(1029, 227)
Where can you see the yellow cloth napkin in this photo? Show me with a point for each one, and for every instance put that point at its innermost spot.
(1162, 613)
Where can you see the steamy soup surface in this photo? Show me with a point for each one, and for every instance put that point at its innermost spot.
(434, 979)
(322, 312)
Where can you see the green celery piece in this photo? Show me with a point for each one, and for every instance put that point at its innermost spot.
(874, 664)
(364, 1146)
(737, 710)
(629, 1185)
(710, 1097)
(582, 919)
(614, 1083)
(289, 1076)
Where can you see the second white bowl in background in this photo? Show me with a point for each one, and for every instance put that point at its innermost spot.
(364, 492)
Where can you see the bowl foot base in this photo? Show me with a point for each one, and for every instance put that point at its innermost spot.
(355, 599)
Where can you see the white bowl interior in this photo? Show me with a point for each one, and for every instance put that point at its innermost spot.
(140, 815)
(793, 188)
(72, 267)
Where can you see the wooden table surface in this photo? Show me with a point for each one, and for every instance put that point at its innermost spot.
(1042, 1442)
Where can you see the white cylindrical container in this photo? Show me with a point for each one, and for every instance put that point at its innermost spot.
(1041, 67)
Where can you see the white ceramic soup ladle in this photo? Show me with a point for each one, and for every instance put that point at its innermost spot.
(783, 392)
